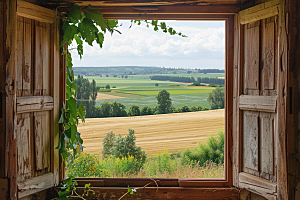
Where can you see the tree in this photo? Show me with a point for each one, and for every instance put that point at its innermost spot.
(126, 76)
(107, 86)
(134, 110)
(217, 98)
(118, 110)
(108, 143)
(164, 102)
(156, 84)
(146, 111)
(125, 147)
(106, 109)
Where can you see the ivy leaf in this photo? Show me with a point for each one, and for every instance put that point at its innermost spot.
(69, 32)
(75, 12)
(163, 25)
(73, 132)
(79, 45)
(81, 112)
(96, 17)
(112, 23)
(87, 29)
(100, 39)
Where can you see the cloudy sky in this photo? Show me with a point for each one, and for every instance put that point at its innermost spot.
(140, 46)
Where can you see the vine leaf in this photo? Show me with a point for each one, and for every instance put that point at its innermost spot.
(96, 17)
(69, 32)
(87, 29)
(75, 12)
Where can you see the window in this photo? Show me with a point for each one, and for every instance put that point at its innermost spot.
(228, 119)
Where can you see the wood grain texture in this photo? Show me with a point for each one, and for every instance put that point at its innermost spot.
(251, 50)
(24, 129)
(258, 103)
(250, 141)
(35, 12)
(20, 54)
(262, 14)
(266, 144)
(11, 120)
(268, 55)
(34, 185)
(39, 53)
(27, 63)
(34, 103)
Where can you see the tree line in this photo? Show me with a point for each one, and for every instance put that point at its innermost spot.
(211, 80)
(174, 78)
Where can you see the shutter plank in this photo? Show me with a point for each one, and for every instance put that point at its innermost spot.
(38, 132)
(38, 76)
(20, 54)
(23, 148)
(267, 143)
(258, 103)
(27, 67)
(45, 46)
(250, 140)
(269, 56)
(252, 56)
(34, 103)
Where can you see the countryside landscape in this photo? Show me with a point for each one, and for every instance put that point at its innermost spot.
(140, 127)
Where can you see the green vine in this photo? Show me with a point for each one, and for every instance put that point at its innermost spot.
(85, 26)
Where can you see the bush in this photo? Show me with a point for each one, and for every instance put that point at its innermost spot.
(86, 165)
(185, 109)
(156, 84)
(217, 98)
(213, 85)
(212, 150)
(107, 86)
(134, 110)
(173, 85)
(194, 108)
(204, 108)
(108, 143)
(114, 87)
(118, 110)
(146, 110)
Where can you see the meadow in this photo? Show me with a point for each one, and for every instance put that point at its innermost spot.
(155, 133)
(140, 90)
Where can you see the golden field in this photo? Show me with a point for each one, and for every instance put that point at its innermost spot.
(155, 133)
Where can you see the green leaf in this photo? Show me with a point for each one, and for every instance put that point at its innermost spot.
(96, 17)
(61, 119)
(79, 45)
(75, 12)
(73, 132)
(100, 39)
(87, 29)
(81, 112)
(68, 32)
(112, 23)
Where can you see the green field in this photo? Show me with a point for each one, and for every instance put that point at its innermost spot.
(146, 90)
(196, 75)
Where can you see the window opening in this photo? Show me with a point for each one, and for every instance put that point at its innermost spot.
(126, 88)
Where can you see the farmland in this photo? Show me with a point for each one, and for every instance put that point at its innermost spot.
(155, 133)
(140, 90)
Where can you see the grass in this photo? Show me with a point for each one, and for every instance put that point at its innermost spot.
(196, 75)
(155, 133)
(198, 99)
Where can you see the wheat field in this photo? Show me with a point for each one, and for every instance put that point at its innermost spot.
(155, 133)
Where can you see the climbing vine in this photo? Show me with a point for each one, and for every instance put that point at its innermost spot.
(88, 26)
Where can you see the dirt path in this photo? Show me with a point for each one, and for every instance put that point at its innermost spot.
(155, 133)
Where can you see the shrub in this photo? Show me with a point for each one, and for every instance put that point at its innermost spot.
(146, 110)
(86, 165)
(114, 87)
(156, 84)
(107, 86)
(118, 110)
(185, 109)
(199, 108)
(217, 98)
(213, 85)
(173, 85)
(108, 143)
(204, 108)
(194, 108)
(126, 147)
(134, 110)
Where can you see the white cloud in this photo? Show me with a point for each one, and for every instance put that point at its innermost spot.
(203, 45)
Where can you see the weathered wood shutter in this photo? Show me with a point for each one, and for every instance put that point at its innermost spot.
(257, 95)
(37, 96)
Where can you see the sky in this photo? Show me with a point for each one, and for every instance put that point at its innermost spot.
(141, 46)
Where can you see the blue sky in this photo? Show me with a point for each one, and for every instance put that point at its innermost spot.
(140, 46)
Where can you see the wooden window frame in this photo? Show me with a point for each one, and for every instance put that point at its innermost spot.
(164, 183)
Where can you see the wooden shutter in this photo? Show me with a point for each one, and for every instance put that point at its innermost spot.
(257, 93)
(37, 96)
